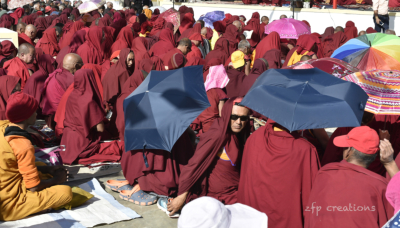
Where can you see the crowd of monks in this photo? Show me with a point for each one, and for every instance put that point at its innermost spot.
(75, 70)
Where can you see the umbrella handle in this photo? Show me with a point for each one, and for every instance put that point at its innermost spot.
(145, 158)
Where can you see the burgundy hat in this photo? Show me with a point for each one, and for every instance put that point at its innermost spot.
(20, 106)
(363, 139)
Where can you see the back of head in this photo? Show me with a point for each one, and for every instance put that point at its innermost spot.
(282, 16)
(237, 24)
(362, 158)
(21, 26)
(20, 107)
(264, 19)
(361, 33)
(305, 58)
(72, 62)
(339, 29)
(391, 32)
(244, 44)
(201, 22)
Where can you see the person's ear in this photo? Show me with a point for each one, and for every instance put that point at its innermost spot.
(347, 153)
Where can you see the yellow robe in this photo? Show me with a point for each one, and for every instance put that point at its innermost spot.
(16, 201)
(295, 58)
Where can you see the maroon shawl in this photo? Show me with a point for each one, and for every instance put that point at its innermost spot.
(272, 41)
(124, 39)
(49, 43)
(233, 89)
(77, 40)
(333, 42)
(258, 68)
(69, 35)
(91, 51)
(7, 85)
(140, 47)
(166, 42)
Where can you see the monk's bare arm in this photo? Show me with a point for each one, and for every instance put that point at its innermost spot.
(386, 154)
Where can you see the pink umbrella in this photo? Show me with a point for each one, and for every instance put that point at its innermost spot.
(216, 78)
(288, 28)
(172, 16)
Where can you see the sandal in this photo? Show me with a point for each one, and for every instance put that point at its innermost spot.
(118, 185)
(139, 198)
(162, 205)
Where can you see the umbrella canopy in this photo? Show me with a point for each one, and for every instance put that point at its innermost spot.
(288, 28)
(216, 78)
(306, 99)
(371, 52)
(335, 67)
(173, 16)
(211, 17)
(89, 6)
(382, 88)
(162, 108)
(13, 4)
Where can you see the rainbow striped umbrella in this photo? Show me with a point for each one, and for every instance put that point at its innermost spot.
(383, 89)
(371, 52)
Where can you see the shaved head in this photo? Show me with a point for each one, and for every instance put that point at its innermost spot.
(238, 25)
(204, 31)
(282, 16)
(31, 31)
(339, 29)
(265, 20)
(25, 48)
(391, 32)
(72, 62)
(26, 52)
(361, 33)
(21, 26)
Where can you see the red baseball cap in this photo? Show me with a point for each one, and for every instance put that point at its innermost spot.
(363, 139)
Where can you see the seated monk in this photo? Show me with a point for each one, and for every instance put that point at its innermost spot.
(273, 160)
(334, 153)
(84, 125)
(56, 85)
(184, 47)
(21, 28)
(245, 47)
(28, 36)
(22, 192)
(196, 40)
(18, 66)
(214, 169)
(346, 193)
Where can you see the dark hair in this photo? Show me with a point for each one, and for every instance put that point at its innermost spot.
(365, 159)
(72, 17)
(201, 22)
(102, 7)
(185, 42)
(58, 29)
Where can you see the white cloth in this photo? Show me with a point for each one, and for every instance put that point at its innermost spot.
(381, 5)
(211, 213)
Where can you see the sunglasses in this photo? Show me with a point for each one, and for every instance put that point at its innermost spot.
(242, 118)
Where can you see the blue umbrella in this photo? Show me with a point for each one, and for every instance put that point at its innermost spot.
(306, 99)
(162, 108)
(211, 17)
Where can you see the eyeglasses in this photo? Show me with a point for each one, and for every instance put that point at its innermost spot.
(242, 118)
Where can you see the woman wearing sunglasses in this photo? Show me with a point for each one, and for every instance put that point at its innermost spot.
(214, 169)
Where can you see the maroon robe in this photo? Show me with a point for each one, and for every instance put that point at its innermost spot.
(84, 110)
(167, 57)
(273, 161)
(211, 113)
(7, 85)
(208, 175)
(236, 78)
(347, 195)
(258, 68)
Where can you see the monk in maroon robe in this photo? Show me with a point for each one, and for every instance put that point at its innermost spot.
(166, 42)
(49, 42)
(124, 39)
(236, 73)
(184, 47)
(346, 194)
(273, 160)
(8, 85)
(214, 169)
(18, 66)
(83, 124)
(91, 51)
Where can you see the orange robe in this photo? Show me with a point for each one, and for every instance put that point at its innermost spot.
(18, 172)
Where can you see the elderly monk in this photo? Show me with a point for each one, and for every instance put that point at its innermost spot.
(56, 85)
(18, 66)
(22, 192)
(184, 47)
(214, 169)
(21, 27)
(346, 194)
(28, 36)
(273, 160)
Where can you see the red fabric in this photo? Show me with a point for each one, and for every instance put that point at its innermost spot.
(195, 52)
(221, 51)
(273, 58)
(97, 74)
(195, 61)
(109, 33)
(328, 31)
(211, 113)
(91, 51)
(158, 25)
(219, 26)
(352, 187)
(69, 35)
(35, 83)
(333, 42)
(272, 161)
(16, 67)
(363, 139)
(7, 85)
(41, 24)
(124, 39)
(63, 19)
(166, 42)
(7, 48)
(6, 21)
(17, 14)
(77, 40)
(351, 30)
(258, 68)
(115, 78)
(140, 47)
(83, 112)
(335, 154)
(231, 35)
(53, 89)
(187, 22)
(158, 63)
(20, 107)
(272, 41)
(209, 34)
(371, 30)
(130, 85)
(59, 117)
(394, 3)
(23, 38)
(236, 78)
(307, 42)
(49, 43)
(177, 61)
(198, 176)
(132, 20)
(165, 168)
